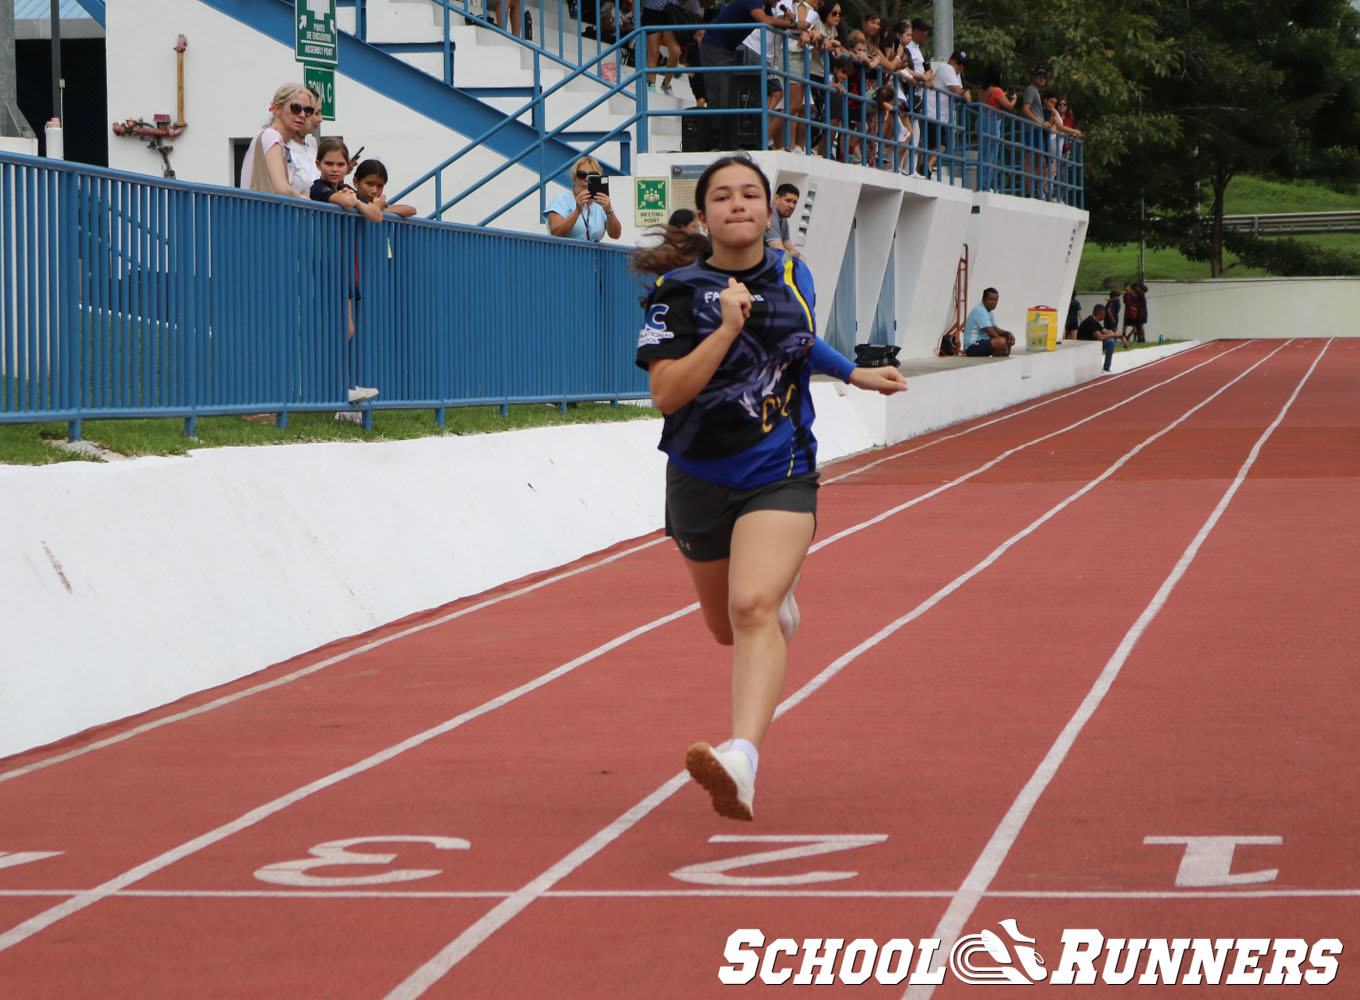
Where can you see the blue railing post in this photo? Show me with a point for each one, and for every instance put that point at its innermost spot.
(448, 46)
(640, 69)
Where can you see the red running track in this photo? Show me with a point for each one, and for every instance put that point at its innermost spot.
(1085, 665)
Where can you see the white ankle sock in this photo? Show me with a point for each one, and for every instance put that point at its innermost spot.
(749, 749)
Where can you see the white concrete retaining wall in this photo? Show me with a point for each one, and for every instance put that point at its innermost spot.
(1254, 307)
(1249, 308)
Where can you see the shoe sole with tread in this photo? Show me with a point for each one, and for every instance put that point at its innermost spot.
(705, 769)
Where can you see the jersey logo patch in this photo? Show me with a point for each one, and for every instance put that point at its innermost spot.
(655, 331)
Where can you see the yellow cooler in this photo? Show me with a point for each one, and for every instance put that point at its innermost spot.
(1041, 329)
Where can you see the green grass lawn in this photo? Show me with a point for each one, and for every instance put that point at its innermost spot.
(1109, 267)
(34, 444)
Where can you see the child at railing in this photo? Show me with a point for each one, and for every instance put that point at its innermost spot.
(370, 178)
(332, 158)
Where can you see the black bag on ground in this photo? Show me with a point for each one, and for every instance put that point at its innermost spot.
(876, 355)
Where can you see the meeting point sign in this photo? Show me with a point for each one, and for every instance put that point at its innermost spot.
(1008, 957)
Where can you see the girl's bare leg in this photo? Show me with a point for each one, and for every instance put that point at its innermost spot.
(768, 547)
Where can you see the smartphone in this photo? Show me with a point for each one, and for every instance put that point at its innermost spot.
(597, 184)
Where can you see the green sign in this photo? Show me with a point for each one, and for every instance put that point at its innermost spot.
(322, 80)
(315, 38)
(651, 200)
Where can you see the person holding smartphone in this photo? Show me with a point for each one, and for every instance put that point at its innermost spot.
(584, 212)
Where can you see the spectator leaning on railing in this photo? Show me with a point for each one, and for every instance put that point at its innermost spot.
(761, 43)
(942, 106)
(268, 165)
(721, 44)
(1035, 133)
(802, 48)
(303, 149)
(997, 100)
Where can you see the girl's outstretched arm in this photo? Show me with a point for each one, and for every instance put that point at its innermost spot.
(886, 380)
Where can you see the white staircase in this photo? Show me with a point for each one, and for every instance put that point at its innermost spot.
(483, 57)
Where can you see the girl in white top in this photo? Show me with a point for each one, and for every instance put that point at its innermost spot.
(774, 89)
(807, 26)
(268, 165)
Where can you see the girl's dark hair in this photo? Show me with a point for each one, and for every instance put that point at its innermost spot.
(993, 75)
(681, 218)
(332, 144)
(370, 167)
(679, 247)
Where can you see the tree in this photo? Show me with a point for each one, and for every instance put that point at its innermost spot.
(1176, 97)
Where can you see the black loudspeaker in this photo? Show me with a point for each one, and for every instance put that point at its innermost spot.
(742, 131)
(698, 133)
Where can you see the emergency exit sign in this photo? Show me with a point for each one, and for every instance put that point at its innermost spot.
(315, 39)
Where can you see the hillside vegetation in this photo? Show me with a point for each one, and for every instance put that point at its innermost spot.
(1105, 267)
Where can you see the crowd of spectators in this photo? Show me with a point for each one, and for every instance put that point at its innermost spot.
(871, 95)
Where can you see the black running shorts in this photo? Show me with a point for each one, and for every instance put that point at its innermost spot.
(700, 514)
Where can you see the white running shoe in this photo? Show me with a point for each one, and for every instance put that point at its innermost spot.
(361, 394)
(789, 615)
(726, 776)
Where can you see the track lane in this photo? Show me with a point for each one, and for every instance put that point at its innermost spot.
(425, 980)
(706, 686)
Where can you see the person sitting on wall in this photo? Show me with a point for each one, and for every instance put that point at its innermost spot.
(1093, 328)
(982, 338)
(1112, 311)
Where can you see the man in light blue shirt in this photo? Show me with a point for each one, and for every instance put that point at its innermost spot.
(982, 338)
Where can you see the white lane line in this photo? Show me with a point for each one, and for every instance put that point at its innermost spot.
(47, 918)
(878, 518)
(984, 869)
(465, 943)
(360, 894)
(519, 592)
(1046, 401)
(507, 909)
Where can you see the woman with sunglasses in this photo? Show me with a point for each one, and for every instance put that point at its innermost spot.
(579, 215)
(269, 164)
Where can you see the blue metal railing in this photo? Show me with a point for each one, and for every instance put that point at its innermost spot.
(955, 142)
(128, 296)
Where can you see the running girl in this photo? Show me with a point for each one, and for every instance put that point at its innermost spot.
(729, 346)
